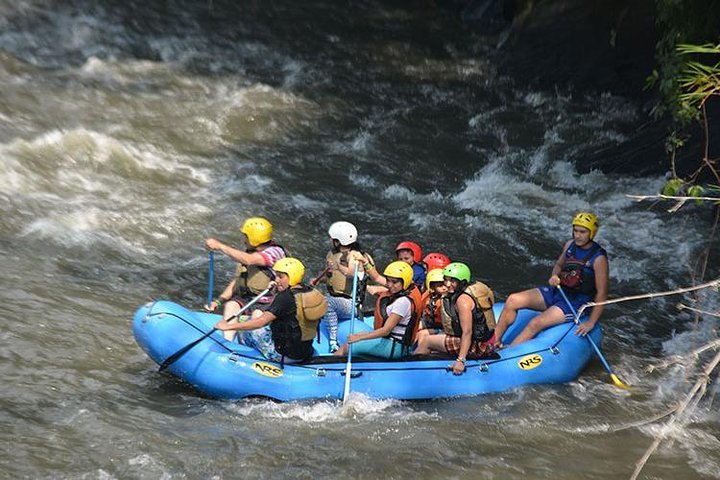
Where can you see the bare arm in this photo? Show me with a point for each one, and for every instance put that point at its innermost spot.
(602, 274)
(465, 305)
(245, 258)
(252, 324)
(554, 279)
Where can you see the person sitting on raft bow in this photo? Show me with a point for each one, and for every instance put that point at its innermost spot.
(581, 270)
(254, 270)
(396, 312)
(284, 331)
(467, 318)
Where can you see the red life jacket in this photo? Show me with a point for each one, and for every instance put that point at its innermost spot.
(430, 313)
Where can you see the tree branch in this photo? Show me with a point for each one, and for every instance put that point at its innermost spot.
(699, 387)
(713, 283)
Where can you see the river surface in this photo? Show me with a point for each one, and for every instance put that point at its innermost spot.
(130, 131)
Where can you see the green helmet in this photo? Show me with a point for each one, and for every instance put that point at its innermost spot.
(457, 270)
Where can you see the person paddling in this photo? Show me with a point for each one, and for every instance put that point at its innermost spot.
(341, 260)
(396, 313)
(254, 271)
(285, 330)
(581, 270)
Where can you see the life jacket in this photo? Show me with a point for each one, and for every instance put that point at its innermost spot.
(483, 317)
(430, 313)
(311, 306)
(338, 284)
(253, 279)
(411, 328)
(578, 274)
(296, 334)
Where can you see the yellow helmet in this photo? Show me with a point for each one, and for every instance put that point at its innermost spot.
(400, 270)
(434, 275)
(258, 230)
(292, 267)
(587, 220)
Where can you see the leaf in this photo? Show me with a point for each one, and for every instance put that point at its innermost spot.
(672, 186)
(696, 191)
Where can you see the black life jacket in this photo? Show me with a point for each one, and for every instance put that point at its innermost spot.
(287, 336)
(578, 274)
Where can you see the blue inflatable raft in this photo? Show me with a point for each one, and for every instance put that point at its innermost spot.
(227, 370)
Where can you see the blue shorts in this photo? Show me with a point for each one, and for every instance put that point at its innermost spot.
(553, 298)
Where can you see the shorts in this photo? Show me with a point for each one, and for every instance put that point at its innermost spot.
(380, 347)
(553, 298)
(477, 349)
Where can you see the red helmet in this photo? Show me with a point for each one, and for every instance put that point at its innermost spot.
(436, 260)
(413, 247)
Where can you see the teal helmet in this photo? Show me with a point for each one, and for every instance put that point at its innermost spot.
(458, 271)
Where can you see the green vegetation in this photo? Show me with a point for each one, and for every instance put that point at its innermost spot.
(696, 83)
(688, 75)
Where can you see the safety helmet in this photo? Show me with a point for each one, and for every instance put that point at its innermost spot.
(343, 232)
(413, 247)
(436, 260)
(434, 275)
(587, 220)
(400, 270)
(458, 271)
(292, 267)
(258, 230)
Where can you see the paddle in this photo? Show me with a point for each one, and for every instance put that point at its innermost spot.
(348, 366)
(317, 279)
(175, 356)
(211, 276)
(613, 377)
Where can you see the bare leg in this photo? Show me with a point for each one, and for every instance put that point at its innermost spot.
(526, 299)
(431, 343)
(231, 308)
(342, 351)
(548, 318)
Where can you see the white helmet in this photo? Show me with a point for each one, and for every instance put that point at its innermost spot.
(343, 232)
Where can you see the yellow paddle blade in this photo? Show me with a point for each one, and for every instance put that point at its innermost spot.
(618, 382)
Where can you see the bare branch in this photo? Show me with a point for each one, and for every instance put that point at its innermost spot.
(682, 306)
(711, 284)
(679, 201)
(647, 421)
(699, 387)
(675, 359)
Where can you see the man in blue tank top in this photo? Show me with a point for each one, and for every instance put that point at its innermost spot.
(581, 270)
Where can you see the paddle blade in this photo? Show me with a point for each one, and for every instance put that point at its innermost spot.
(175, 356)
(619, 383)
